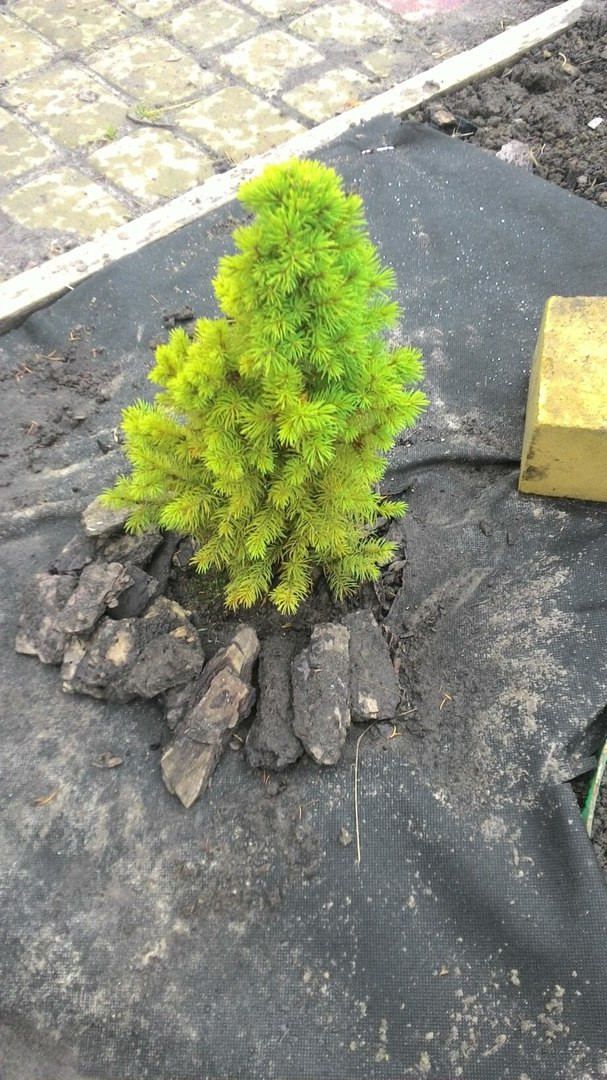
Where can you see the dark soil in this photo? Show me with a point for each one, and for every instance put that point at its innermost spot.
(202, 596)
(48, 397)
(546, 101)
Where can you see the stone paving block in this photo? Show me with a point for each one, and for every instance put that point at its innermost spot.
(71, 105)
(72, 24)
(399, 60)
(19, 149)
(236, 123)
(65, 199)
(151, 69)
(148, 9)
(416, 10)
(210, 23)
(382, 62)
(329, 94)
(20, 49)
(265, 60)
(273, 9)
(349, 23)
(152, 164)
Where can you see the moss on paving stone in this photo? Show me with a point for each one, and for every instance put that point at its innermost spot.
(329, 94)
(67, 103)
(264, 61)
(349, 23)
(19, 149)
(80, 77)
(236, 123)
(274, 9)
(68, 199)
(72, 24)
(151, 69)
(20, 50)
(149, 9)
(152, 164)
(210, 23)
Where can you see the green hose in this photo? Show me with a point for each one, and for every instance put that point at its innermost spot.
(593, 791)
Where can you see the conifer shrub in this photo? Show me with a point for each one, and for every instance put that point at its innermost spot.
(267, 441)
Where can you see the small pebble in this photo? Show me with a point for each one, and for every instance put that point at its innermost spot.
(345, 837)
(385, 729)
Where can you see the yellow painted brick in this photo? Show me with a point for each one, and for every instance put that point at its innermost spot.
(565, 440)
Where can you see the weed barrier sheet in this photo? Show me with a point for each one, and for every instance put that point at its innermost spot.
(241, 939)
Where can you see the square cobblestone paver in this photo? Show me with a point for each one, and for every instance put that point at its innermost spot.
(111, 104)
(329, 94)
(382, 62)
(349, 23)
(210, 23)
(73, 24)
(265, 60)
(275, 8)
(20, 151)
(398, 63)
(65, 199)
(152, 164)
(20, 50)
(69, 104)
(415, 10)
(151, 69)
(236, 123)
(148, 9)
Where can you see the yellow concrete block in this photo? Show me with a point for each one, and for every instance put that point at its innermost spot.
(565, 440)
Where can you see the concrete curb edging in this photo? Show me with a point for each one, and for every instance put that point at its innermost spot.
(38, 287)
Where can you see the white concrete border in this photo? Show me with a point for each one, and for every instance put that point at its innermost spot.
(36, 288)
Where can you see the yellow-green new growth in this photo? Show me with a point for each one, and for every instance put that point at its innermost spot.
(267, 441)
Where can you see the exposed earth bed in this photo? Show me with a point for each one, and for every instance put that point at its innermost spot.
(548, 102)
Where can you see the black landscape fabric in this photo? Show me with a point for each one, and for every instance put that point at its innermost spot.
(241, 939)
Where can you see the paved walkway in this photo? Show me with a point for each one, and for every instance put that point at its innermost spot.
(109, 107)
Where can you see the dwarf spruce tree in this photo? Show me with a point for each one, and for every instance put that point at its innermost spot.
(267, 441)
